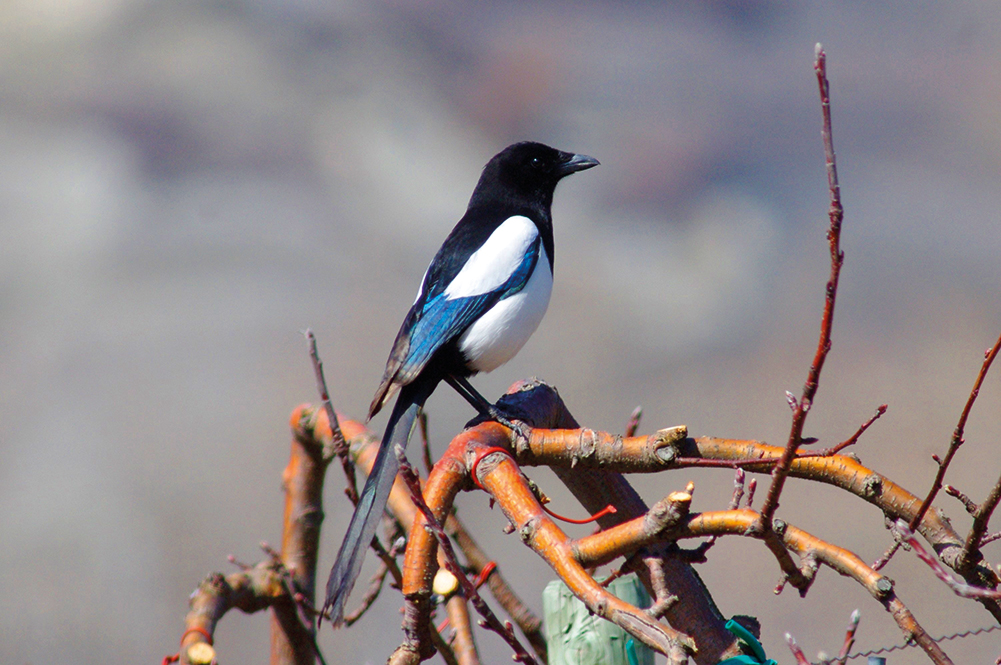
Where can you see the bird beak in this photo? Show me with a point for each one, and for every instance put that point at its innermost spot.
(576, 163)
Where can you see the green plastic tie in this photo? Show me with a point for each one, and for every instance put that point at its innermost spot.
(748, 642)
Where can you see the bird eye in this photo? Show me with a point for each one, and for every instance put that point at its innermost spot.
(536, 162)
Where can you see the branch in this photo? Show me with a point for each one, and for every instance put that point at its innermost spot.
(538, 530)
(981, 518)
(476, 559)
(491, 621)
(310, 422)
(694, 613)
(607, 545)
(582, 449)
(251, 590)
(846, 646)
(285, 582)
(338, 446)
(457, 610)
(957, 436)
(503, 480)
(960, 589)
(836, 213)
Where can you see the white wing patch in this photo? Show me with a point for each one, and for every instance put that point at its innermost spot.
(491, 265)
(420, 289)
(499, 334)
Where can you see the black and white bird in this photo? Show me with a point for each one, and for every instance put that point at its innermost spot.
(481, 298)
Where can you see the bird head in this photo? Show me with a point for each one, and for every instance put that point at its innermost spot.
(531, 171)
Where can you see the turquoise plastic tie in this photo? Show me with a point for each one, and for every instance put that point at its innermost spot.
(750, 643)
(631, 652)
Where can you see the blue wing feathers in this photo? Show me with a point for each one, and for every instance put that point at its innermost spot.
(442, 319)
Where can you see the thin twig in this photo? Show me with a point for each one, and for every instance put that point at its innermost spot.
(971, 550)
(338, 445)
(969, 504)
(738, 489)
(663, 598)
(797, 653)
(959, 588)
(386, 566)
(526, 620)
(698, 555)
(834, 450)
(957, 437)
(849, 638)
(836, 215)
(634, 421)
(881, 562)
(490, 620)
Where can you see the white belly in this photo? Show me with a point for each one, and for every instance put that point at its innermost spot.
(500, 333)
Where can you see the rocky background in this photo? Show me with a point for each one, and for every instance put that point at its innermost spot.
(184, 186)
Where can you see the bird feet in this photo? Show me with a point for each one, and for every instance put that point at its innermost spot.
(508, 420)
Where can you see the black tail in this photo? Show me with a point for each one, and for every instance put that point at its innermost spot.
(372, 501)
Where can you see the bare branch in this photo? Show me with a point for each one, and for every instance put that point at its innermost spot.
(957, 436)
(834, 450)
(797, 653)
(853, 622)
(526, 620)
(802, 406)
(634, 421)
(959, 588)
(506, 632)
(968, 503)
(338, 446)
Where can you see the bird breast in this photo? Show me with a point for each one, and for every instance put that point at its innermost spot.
(501, 331)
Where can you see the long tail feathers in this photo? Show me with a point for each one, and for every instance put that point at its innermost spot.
(371, 504)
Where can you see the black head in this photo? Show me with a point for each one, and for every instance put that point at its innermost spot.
(528, 171)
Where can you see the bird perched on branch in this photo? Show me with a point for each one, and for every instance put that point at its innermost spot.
(481, 298)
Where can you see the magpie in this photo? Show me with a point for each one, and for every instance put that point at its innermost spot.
(481, 298)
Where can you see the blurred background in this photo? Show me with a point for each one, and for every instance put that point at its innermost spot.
(184, 186)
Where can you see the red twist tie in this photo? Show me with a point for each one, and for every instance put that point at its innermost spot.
(484, 574)
(479, 456)
(607, 510)
(167, 660)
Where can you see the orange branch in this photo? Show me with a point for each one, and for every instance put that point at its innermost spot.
(526, 620)
(504, 481)
(605, 546)
(457, 610)
(364, 446)
(250, 590)
(687, 605)
(670, 448)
